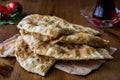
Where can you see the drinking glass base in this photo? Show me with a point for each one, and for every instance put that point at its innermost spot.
(97, 22)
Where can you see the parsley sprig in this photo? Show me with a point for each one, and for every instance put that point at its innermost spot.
(12, 18)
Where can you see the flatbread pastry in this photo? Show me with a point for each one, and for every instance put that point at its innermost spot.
(51, 26)
(7, 47)
(30, 61)
(83, 38)
(64, 51)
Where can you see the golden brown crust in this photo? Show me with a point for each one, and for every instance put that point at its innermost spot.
(30, 61)
(62, 51)
(7, 49)
(83, 38)
(51, 26)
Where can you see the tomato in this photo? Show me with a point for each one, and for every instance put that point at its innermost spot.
(4, 13)
(14, 7)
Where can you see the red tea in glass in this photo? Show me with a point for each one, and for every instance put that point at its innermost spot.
(105, 10)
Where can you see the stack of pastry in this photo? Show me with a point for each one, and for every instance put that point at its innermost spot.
(45, 39)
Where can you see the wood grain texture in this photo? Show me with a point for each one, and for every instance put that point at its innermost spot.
(69, 10)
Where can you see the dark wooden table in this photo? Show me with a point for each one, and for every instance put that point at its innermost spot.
(69, 10)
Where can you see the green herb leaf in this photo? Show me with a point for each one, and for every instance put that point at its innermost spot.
(10, 22)
(12, 18)
(15, 16)
(6, 22)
